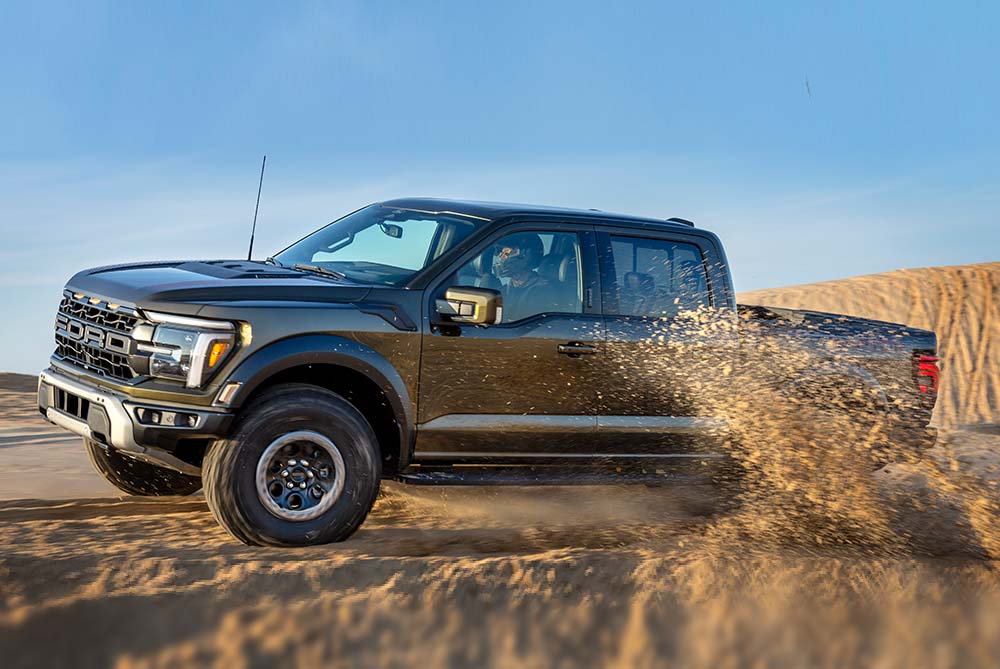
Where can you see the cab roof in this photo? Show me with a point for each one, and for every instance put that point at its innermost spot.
(492, 211)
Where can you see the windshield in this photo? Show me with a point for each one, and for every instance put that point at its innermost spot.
(379, 244)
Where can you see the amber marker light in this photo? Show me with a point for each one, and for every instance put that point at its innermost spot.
(217, 351)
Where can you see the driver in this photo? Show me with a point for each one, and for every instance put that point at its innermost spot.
(525, 293)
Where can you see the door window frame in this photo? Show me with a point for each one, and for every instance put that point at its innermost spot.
(589, 268)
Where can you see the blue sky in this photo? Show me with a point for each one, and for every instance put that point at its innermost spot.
(134, 131)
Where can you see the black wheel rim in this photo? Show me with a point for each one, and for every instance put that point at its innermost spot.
(300, 475)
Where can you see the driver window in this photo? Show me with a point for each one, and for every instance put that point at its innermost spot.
(536, 272)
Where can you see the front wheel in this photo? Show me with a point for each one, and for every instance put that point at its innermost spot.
(300, 468)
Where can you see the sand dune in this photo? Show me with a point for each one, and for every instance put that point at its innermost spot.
(23, 383)
(829, 568)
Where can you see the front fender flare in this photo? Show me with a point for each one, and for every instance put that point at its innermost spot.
(322, 349)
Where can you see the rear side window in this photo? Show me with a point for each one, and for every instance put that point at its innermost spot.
(656, 278)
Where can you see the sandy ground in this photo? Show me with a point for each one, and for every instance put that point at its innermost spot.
(898, 569)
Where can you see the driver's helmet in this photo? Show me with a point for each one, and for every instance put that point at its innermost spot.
(517, 254)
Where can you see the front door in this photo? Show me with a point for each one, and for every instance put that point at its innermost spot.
(525, 389)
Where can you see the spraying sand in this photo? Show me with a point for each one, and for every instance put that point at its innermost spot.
(813, 561)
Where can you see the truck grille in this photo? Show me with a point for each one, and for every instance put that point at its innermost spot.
(83, 326)
(98, 314)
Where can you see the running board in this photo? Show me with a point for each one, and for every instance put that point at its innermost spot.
(535, 476)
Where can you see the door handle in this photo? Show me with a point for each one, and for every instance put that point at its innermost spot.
(575, 350)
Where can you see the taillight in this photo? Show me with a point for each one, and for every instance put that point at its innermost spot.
(926, 373)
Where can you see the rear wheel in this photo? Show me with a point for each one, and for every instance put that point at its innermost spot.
(301, 467)
(137, 477)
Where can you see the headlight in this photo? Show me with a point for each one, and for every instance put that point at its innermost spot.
(185, 349)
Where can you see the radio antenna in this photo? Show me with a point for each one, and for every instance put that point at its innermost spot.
(260, 185)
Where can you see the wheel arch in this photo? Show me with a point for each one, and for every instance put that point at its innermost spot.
(347, 367)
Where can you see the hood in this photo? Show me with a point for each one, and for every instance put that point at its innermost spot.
(194, 283)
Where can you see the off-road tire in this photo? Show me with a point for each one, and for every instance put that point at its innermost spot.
(230, 466)
(136, 477)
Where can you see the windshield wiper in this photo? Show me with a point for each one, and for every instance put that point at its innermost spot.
(271, 261)
(316, 269)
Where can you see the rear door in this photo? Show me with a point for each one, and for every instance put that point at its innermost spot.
(527, 388)
(671, 342)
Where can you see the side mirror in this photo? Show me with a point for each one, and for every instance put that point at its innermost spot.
(462, 304)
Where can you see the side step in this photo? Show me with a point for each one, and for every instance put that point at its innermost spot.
(535, 476)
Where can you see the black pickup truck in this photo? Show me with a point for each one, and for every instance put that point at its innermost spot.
(434, 342)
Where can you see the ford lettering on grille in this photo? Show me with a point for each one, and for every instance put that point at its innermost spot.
(93, 335)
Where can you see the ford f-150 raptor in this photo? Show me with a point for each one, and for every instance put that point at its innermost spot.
(436, 342)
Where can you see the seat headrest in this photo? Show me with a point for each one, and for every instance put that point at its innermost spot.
(567, 269)
(558, 267)
(483, 263)
(549, 266)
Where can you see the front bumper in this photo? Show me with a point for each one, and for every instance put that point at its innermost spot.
(125, 424)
